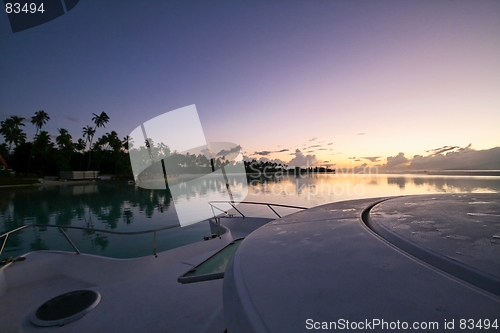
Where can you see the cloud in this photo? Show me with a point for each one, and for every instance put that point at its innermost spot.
(207, 152)
(313, 146)
(263, 159)
(281, 150)
(263, 153)
(275, 160)
(301, 160)
(361, 134)
(329, 144)
(227, 152)
(443, 149)
(75, 120)
(464, 158)
(351, 158)
(396, 161)
(315, 138)
(372, 158)
(448, 158)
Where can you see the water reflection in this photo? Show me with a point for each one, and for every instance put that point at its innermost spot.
(105, 206)
(447, 184)
(317, 189)
(399, 181)
(458, 184)
(122, 207)
(63, 205)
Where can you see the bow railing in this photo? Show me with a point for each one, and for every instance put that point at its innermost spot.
(232, 204)
(62, 229)
(5, 235)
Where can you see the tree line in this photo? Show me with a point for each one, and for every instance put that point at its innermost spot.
(107, 154)
(42, 156)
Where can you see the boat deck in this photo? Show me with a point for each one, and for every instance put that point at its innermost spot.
(357, 261)
(138, 295)
(325, 266)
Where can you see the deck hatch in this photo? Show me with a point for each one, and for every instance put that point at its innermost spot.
(65, 308)
(213, 267)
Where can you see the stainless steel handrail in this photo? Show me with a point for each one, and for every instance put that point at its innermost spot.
(250, 203)
(6, 234)
(61, 229)
(154, 231)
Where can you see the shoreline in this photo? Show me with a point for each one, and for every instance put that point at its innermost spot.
(451, 173)
(447, 173)
(52, 183)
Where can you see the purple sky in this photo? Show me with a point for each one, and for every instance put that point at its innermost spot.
(368, 80)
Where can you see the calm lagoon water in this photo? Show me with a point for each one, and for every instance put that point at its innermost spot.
(122, 207)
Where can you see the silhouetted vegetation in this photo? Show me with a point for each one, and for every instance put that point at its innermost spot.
(108, 154)
(47, 156)
(268, 168)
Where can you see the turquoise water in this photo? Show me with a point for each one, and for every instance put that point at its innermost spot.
(109, 206)
(122, 207)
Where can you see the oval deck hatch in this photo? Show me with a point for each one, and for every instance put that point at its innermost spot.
(65, 308)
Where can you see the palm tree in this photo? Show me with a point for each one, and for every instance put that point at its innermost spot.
(99, 121)
(88, 133)
(42, 140)
(64, 140)
(80, 147)
(62, 157)
(102, 144)
(39, 119)
(127, 143)
(114, 142)
(11, 130)
(42, 146)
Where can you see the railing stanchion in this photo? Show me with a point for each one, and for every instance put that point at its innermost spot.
(217, 209)
(3, 244)
(11, 232)
(275, 212)
(69, 240)
(213, 211)
(236, 209)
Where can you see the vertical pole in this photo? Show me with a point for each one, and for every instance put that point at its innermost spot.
(275, 212)
(4, 241)
(164, 173)
(69, 240)
(227, 184)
